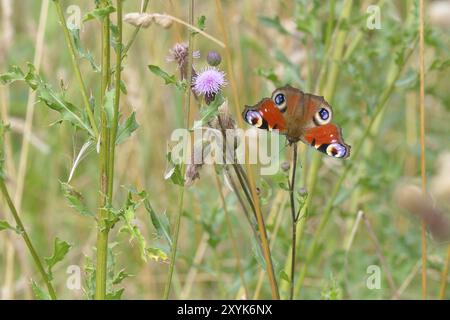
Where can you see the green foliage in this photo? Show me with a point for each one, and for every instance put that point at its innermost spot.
(209, 111)
(45, 93)
(273, 23)
(128, 215)
(76, 200)
(173, 171)
(99, 13)
(4, 225)
(83, 53)
(168, 78)
(160, 222)
(39, 293)
(60, 250)
(126, 128)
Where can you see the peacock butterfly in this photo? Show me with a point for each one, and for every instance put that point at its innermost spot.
(299, 116)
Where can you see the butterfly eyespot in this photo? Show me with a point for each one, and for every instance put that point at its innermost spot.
(280, 101)
(254, 118)
(336, 150)
(323, 116)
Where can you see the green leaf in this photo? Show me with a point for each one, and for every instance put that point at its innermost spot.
(156, 254)
(99, 13)
(201, 22)
(273, 23)
(120, 276)
(160, 222)
(168, 79)
(14, 74)
(173, 172)
(39, 293)
(60, 249)
(208, 112)
(284, 276)
(126, 128)
(4, 225)
(440, 65)
(82, 53)
(134, 232)
(46, 94)
(270, 75)
(128, 216)
(76, 200)
(115, 295)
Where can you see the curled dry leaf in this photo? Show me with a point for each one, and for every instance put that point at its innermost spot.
(145, 19)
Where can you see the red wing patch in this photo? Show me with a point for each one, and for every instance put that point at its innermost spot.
(327, 139)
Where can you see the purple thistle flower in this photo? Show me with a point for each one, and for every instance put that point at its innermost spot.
(209, 82)
(179, 54)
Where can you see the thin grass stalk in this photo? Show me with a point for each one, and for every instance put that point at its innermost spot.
(26, 238)
(276, 212)
(183, 166)
(422, 142)
(393, 75)
(102, 227)
(294, 220)
(76, 67)
(443, 285)
(259, 216)
(232, 238)
(31, 103)
(22, 168)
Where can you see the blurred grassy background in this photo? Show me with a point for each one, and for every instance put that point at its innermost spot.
(291, 51)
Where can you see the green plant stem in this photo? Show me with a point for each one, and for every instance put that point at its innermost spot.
(294, 220)
(393, 75)
(76, 67)
(102, 227)
(27, 240)
(115, 120)
(181, 196)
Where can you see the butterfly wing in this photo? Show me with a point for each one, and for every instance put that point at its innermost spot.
(328, 139)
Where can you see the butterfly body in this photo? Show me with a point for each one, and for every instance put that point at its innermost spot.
(301, 117)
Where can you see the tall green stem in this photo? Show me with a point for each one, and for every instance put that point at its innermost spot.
(102, 216)
(115, 120)
(181, 196)
(27, 240)
(76, 67)
(294, 220)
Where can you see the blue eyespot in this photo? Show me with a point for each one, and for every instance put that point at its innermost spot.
(324, 114)
(337, 150)
(279, 99)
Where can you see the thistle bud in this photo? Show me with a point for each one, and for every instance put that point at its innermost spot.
(213, 58)
(285, 166)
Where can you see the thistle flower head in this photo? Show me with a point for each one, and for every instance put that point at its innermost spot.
(209, 81)
(179, 54)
